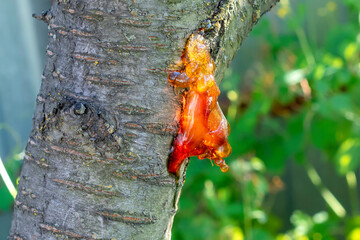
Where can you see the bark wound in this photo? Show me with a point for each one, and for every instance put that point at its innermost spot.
(106, 142)
(203, 128)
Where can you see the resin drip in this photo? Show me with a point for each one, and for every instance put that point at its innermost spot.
(203, 128)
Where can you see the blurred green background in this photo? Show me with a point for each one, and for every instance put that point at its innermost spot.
(292, 97)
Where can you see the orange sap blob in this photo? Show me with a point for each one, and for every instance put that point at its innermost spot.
(203, 128)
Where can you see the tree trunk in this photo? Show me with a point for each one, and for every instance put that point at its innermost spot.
(96, 161)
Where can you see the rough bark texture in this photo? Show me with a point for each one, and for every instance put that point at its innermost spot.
(96, 160)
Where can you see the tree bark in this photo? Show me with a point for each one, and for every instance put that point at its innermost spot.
(96, 161)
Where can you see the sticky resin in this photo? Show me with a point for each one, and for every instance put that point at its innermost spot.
(203, 130)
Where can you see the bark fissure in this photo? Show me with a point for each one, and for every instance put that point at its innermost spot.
(96, 161)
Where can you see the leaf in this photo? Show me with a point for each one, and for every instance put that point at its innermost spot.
(294, 141)
(295, 76)
(302, 222)
(271, 151)
(323, 132)
(261, 234)
(6, 198)
(353, 3)
(347, 157)
(12, 166)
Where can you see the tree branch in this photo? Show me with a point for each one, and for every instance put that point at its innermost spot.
(230, 24)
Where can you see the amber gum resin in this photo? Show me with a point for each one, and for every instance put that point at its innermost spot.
(203, 130)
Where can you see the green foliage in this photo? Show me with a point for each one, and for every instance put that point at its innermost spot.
(12, 166)
(299, 101)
